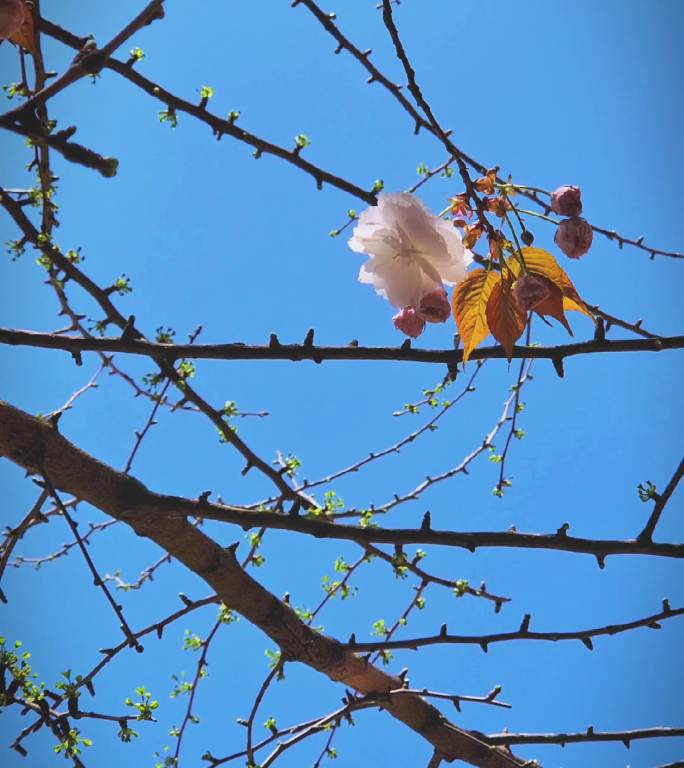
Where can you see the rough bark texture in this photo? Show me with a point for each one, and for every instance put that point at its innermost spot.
(35, 444)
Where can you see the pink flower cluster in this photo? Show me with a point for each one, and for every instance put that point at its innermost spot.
(413, 254)
(433, 308)
(574, 235)
(529, 291)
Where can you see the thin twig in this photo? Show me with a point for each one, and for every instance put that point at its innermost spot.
(523, 633)
(201, 664)
(13, 535)
(538, 196)
(460, 585)
(97, 579)
(661, 500)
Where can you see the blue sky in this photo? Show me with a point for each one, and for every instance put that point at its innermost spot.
(554, 93)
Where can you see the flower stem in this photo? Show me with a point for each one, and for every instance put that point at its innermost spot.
(538, 215)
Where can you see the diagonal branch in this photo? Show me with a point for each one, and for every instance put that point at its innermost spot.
(14, 535)
(87, 61)
(218, 125)
(97, 579)
(375, 75)
(661, 500)
(30, 118)
(31, 443)
(129, 331)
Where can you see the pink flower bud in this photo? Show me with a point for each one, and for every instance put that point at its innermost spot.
(566, 201)
(529, 291)
(434, 306)
(11, 17)
(407, 321)
(574, 237)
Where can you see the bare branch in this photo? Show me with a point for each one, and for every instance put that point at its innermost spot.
(661, 500)
(28, 441)
(129, 331)
(524, 633)
(173, 508)
(199, 670)
(218, 125)
(98, 581)
(89, 61)
(278, 351)
(13, 535)
(538, 196)
(400, 560)
(590, 735)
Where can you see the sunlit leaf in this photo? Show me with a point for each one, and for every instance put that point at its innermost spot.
(552, 306)
(470, 307)
(505, 319)
(541, 262)
(569, 305)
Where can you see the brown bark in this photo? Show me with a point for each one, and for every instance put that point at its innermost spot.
(36, 445)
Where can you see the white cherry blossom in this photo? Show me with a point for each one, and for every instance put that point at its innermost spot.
(412, 251)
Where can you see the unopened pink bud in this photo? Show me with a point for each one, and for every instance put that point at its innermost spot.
(574, 237)
(408, 322)
(435, 307)
(11, 17)
(529, 291)
(567, 201)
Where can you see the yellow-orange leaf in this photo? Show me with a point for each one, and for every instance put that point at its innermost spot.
(570, 305)
(470, 307)
(553, 305)
(541, 262)
(505, 319)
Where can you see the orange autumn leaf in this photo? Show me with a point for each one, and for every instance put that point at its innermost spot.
(26, 36)
(553, 305)
(570, 305)
(470, 307)
(486, 183)
(541, 262)
(505, 319)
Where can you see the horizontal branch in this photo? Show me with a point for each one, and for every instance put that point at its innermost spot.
(589, 735)
(523, 633)
(129, 330)
(308, 351)
(471, 541)
(159, 507)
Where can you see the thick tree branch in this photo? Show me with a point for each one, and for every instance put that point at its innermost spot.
(31, 443)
